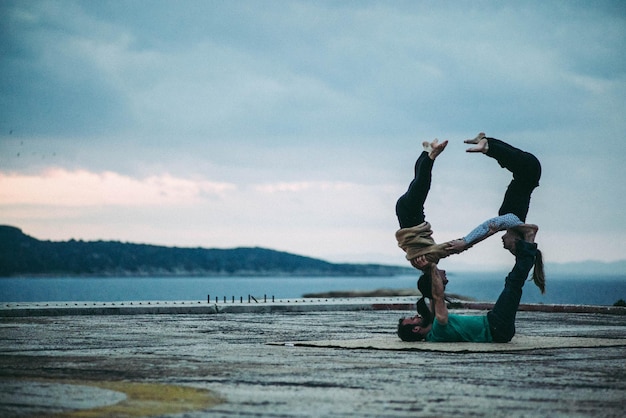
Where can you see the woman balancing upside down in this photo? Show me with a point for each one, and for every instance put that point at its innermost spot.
(415, 233)
(526, 171)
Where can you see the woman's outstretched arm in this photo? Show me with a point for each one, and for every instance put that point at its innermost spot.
(484, 231)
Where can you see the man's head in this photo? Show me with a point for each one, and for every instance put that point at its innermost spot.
(412, 329)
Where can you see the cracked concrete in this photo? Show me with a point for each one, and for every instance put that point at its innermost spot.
(228, 354)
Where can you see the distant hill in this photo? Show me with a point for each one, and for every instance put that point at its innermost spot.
(23, 255)
(588, 267)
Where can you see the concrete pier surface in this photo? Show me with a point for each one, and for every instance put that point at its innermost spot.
(221, 364)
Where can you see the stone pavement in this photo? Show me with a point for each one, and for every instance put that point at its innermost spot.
(62, 363)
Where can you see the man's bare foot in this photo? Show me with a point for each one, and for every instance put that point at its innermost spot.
(528, 231)
(481, 143)
(434, 148)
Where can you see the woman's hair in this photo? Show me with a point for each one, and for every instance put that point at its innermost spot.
(425, 284)
(539, 276)
(424, 312)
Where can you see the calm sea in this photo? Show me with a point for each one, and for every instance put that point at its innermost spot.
(588, 290)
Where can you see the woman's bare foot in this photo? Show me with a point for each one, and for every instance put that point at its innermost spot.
(434, 148)
(481, 143)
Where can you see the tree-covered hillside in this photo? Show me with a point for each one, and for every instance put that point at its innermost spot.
(22, 255)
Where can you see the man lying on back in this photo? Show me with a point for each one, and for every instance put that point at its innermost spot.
(498, 325)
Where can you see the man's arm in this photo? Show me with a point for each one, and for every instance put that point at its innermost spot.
(439, 301)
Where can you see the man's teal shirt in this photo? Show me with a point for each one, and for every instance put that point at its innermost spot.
(461, 328)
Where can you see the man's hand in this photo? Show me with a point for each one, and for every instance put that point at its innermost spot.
(420, 262)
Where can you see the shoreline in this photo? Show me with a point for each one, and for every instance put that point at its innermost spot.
(404, 303)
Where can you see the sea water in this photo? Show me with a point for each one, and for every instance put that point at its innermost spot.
(565, 289)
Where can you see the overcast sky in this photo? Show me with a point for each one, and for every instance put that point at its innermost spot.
(294, 125)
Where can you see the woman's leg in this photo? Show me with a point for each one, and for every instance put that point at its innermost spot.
(410, 206)
(526, 171)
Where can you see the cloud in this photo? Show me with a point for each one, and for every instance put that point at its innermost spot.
(302, 187)
(295, 124)
(62, 188)
(385, 70)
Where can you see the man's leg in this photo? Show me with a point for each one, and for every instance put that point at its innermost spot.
(410, 206)
(502, 316)
(524, 166)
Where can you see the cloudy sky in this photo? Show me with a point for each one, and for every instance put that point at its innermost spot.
(294, 125)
